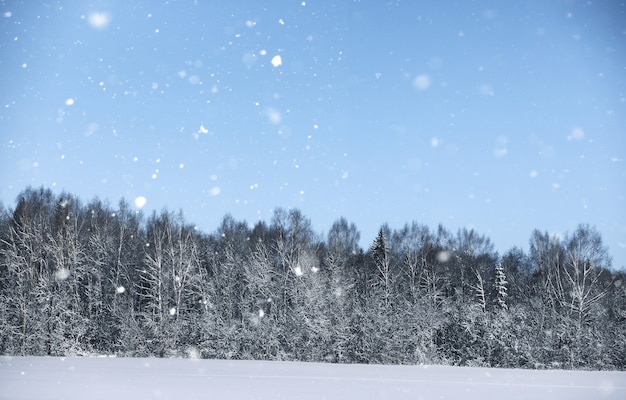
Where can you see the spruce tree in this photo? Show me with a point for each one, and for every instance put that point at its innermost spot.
(501, 287)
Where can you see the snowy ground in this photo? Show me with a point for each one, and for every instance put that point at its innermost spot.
(132, 378)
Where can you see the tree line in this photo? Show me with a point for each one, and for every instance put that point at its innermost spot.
(84, 279)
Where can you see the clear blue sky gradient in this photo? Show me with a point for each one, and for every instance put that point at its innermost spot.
(498, 116)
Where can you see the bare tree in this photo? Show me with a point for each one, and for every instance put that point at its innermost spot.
(585, 260)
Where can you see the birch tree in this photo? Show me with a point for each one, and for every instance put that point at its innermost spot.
(586, 258)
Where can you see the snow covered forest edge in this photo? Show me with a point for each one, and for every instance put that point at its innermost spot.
(83, 279)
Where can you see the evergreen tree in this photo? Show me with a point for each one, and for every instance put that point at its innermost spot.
(501, 287)
(380, 256)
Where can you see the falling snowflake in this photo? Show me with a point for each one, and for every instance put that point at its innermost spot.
(421, 82)
(576, 134)
(277, 61)
(140, 201)
(62, 274)
(443, 256)
(99, 20)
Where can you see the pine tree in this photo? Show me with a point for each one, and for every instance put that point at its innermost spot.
(501, 287)
(380, 255)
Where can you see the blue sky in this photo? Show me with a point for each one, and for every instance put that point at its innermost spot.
(498, 116)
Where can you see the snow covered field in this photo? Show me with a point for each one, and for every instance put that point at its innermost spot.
(132, 378)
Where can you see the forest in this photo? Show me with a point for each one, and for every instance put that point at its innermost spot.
(90, 278)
